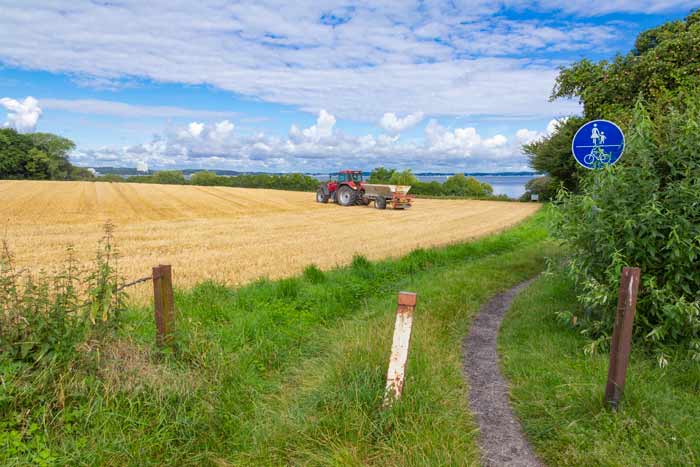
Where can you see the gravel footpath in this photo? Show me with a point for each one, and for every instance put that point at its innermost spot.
(501, 438)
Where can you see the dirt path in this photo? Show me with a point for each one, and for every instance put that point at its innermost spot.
(501, 438)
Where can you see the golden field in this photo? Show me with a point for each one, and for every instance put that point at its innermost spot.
(231, 235)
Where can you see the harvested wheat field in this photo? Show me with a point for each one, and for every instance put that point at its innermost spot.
(231, 235)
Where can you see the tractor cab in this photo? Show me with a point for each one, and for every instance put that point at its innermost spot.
(345, 176)
(349, 177)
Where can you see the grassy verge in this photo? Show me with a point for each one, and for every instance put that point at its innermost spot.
(275, 373)
(558, 390)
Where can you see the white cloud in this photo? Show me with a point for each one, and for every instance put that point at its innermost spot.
(142, 166)
(585, 8)
(495, 142)
(21, 115)
(393, 124)
(221, 130)
(193, 130)
(442, 149)
(121, 109)
(525, 136)
(322, 129)
(353, 60)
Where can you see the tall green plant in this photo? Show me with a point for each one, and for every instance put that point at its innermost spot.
(642, 212)
(44, 317)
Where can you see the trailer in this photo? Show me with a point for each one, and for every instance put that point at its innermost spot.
(383, 195)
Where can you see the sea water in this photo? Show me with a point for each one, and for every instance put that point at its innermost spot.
(513, 186)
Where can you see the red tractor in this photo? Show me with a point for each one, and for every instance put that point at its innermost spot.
(348, 189)
(345, 188)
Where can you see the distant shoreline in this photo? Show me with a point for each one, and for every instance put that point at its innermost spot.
(134, 171)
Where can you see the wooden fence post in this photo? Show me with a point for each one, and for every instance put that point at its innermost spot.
(621, 343)
(163, 304)
(399, 348)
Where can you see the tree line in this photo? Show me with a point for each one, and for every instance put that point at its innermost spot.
(37, 156)
(458, 185)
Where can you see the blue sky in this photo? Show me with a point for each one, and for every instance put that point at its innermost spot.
(311, 86)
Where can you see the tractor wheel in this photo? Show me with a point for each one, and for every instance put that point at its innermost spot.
(364, 200)
(346, 196)
(380, 202)
(321, 197)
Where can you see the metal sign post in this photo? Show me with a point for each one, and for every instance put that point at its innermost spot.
(621, 343)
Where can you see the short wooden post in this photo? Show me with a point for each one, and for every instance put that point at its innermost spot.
(399, 348)
(163, 304)
(621, 343)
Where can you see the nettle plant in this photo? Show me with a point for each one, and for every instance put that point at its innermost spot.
(46, 317)
(645, 212)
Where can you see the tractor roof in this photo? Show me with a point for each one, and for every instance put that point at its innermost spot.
(350, 172)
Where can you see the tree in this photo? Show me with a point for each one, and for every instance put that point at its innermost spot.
(38, 156)
(206, 179)
(665, 61)
(381, 175)
(553, 155)
(57, 148)
(663, 66)
(460, 185)
(169, 177)
(544, 187)
(405, 177)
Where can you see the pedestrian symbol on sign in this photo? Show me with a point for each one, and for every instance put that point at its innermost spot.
(597, 144)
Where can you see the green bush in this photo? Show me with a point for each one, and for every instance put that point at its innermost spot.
(405, 177)
(545, 187)
(643, 212)
(46, 317)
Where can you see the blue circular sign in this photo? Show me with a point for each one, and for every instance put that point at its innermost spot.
(597, 144)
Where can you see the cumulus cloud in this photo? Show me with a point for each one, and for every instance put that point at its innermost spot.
(221, 130)
(21, 115)
(525, 136)
(322, 129)
(320, 147)
(193, 130)
(393, 124)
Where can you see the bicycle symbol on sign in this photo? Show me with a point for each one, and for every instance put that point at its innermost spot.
(597, 156)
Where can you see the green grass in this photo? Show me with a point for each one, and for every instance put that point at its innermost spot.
(278, 373)
(558, 392)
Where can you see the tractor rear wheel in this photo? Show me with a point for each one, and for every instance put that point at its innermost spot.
(346, 196)
(321, 197)
(380, 202)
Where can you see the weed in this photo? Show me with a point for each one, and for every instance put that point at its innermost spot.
(313, 274)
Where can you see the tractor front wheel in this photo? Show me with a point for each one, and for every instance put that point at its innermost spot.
(321, 197)
(346, 196)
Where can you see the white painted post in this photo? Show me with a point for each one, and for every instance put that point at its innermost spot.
(399, 348)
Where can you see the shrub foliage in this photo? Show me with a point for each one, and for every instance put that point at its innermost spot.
(643, 212)
(46, 317)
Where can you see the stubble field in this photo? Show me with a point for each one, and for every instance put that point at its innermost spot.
(230, 235)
